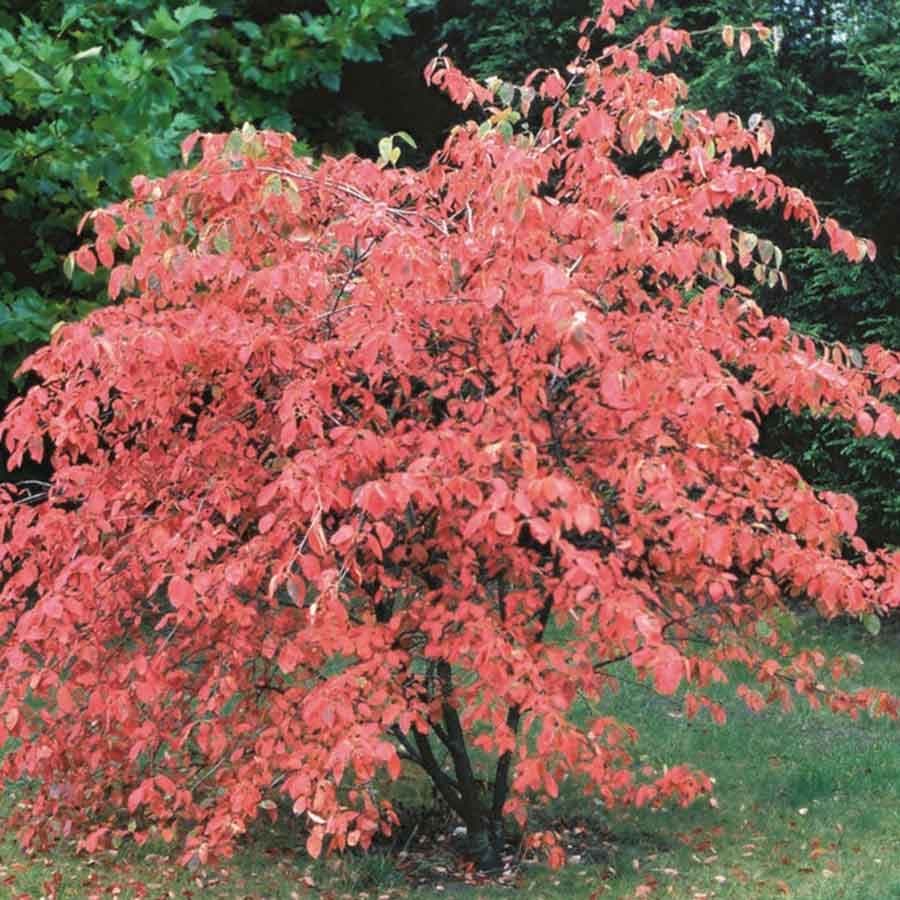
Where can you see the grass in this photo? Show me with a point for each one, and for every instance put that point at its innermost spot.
(808, 806)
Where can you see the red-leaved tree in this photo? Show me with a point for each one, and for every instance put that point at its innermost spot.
(371, 467)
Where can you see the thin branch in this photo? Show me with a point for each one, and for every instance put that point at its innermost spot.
(348, 190)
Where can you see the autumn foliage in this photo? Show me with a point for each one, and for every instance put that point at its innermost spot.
(372, 468)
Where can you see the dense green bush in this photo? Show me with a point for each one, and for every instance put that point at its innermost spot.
(488, 38)
(92, 93)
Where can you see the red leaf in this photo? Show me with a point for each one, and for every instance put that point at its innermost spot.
(385, 534)
(166, 785)
(266, 523)
(612, 390)
(118, 278)
(181, 593)
(717, 544)
(884, 423)
(267, 494)
(289, 658)
(375, 498)
(540, 530)
(344, 535)
(668, 670)
(64, 701)
(85, 259)
(135, 798)
(314, 843)
(585, 518)
(505, 524)
(188, 144)
(864, 422)
(104, 252)
(550, 785)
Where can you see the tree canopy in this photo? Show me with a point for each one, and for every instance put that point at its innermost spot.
(828, 82)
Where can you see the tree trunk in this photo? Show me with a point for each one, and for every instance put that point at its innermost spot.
(484, 844)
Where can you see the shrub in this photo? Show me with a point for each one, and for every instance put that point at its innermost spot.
(373, 467)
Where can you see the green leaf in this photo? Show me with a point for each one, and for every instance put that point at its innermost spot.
(71, 13)
(273, 185)
(188, 15)
(330, 79)
(162, 25)
(95, 93)
(747, 240)
(506, 93)
(234, 146)
(248, 29)
(872, 623)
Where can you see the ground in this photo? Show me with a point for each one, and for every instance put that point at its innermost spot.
(806, 805)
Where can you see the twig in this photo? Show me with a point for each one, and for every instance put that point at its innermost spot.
(356, 194)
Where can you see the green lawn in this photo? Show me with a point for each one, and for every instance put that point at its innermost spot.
(808, 806)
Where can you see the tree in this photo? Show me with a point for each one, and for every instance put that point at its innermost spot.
(94, 93)
(853, 110)
(487, 39)
(829, 84)
(371, 467)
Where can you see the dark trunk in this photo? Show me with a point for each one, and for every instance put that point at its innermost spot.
(484, 824)
(479, 808)
(484, 845)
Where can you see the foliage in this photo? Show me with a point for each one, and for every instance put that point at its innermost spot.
(860, 114)
(831, 87)
(829, 83)
(857, 119)
(94, 93)
(830, 456)
(370, 464)
(502, 39)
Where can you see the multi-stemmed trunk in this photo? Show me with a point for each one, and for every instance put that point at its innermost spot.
(480, 810)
